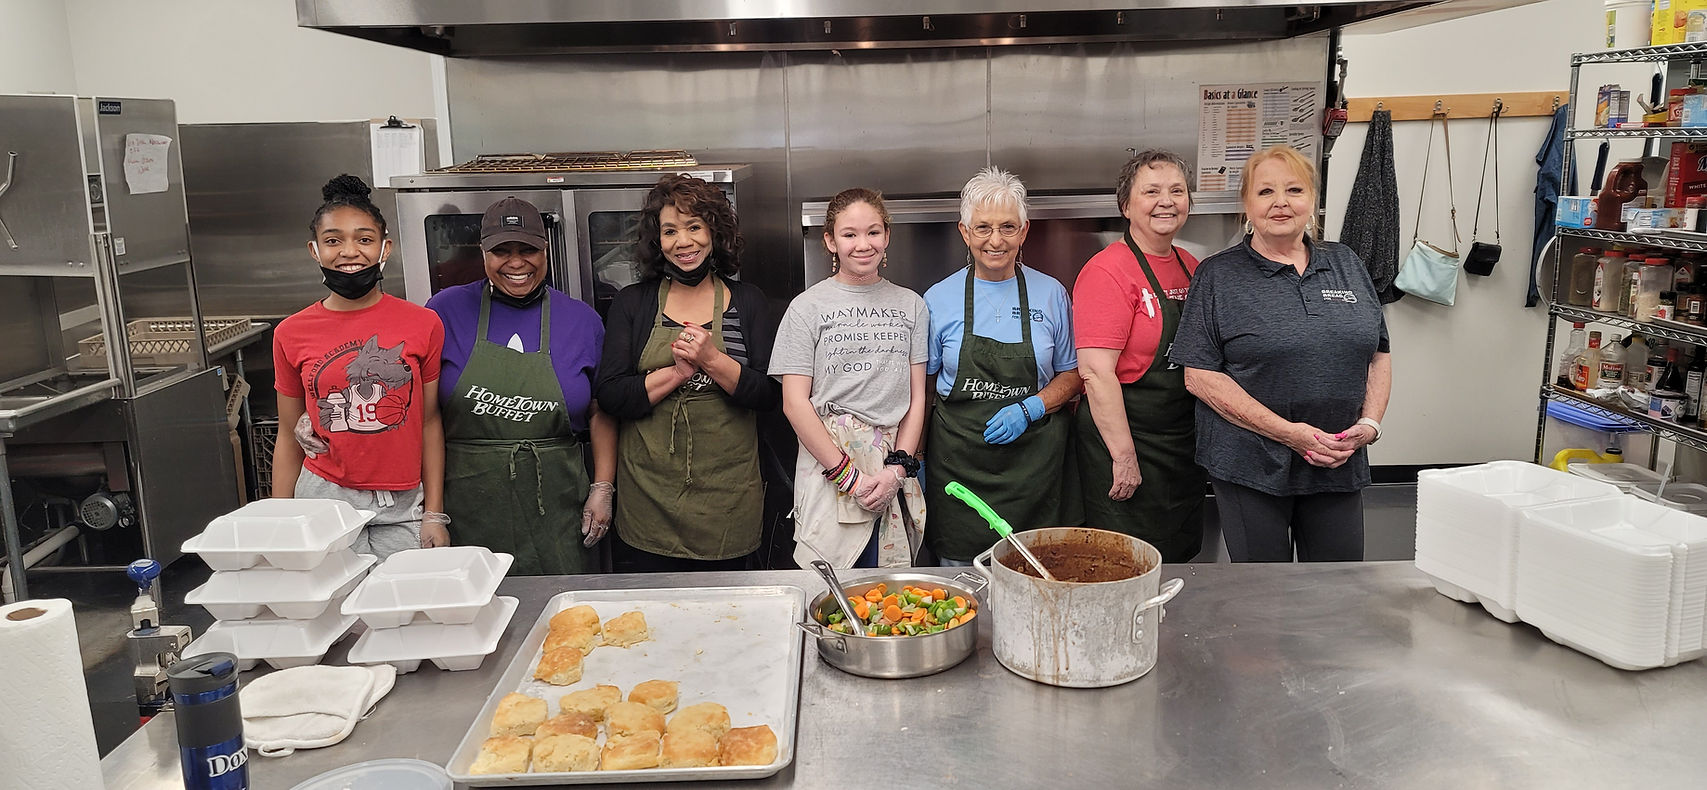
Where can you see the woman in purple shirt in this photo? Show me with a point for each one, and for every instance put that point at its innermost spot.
(516, 393)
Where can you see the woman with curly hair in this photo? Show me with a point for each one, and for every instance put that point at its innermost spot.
(683, 373)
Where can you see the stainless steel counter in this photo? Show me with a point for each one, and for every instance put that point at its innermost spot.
(1271, 676)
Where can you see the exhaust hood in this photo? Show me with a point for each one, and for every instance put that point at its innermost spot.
(458, 28)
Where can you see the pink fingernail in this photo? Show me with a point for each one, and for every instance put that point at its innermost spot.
(1340, 435)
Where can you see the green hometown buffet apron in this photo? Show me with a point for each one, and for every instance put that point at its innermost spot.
(515, 478)
(1167, 508)
(687, 474)
(1021, 480)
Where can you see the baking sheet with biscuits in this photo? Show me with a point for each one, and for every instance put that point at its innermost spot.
(699, 636)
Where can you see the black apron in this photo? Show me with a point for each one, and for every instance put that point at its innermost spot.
(515, 478)
(1021, 480)
(1167, 508)
(688, 472)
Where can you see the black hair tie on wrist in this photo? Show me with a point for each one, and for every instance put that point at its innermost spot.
(903, 460)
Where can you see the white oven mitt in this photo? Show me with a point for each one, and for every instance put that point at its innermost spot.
(309, 707)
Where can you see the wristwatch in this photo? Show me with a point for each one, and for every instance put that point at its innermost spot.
(1373, 424)
(903, 460)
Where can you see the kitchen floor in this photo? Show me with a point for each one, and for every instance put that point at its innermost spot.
(103, 603)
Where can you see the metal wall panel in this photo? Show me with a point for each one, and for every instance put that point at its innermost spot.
(46, 207)
(25, 304)
(722, 108)
(251, 190)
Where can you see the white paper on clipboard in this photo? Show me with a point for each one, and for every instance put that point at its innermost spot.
(397, 151)
(145, 162)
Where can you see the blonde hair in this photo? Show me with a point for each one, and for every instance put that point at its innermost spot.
(1300, 166)
(992, 186)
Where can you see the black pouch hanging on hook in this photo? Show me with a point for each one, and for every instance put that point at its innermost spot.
(1482, 256)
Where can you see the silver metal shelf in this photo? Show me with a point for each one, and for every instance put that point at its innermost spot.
(1643, 133)
(1667, 331)
(1693, 438)
(1694, 49)
(1671, 240)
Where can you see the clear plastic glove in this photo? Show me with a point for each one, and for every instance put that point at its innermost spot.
(310, 442)
(435, 530)
(876, 490)
(1007, 425)
(595, 515)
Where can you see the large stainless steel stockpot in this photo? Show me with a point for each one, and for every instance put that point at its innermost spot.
(1081, 635)
(897, 656)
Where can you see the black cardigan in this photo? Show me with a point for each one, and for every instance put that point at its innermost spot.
(621, 387)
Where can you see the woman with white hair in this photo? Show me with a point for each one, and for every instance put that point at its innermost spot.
(1001, 349)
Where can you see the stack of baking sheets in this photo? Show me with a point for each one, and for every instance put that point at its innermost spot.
(437, 605)
(282, 568)
(1595, 569)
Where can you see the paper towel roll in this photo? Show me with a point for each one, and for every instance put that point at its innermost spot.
(47, 739)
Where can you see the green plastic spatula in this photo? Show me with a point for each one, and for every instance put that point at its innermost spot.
(997, 523)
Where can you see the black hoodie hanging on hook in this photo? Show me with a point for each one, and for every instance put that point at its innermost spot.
(1482, 256)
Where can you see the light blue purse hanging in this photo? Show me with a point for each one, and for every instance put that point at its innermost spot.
(1430, 272)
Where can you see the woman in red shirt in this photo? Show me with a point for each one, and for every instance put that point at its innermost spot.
(365, 366)
(1138, 438)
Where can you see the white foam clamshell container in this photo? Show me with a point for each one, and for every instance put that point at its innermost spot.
(453, 648)
(1467, 525)
(447, 585)
(280, 643)
(291, 595)
(1614, 579)
(290, 534)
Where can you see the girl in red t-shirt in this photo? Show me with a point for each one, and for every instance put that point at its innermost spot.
(364, 366)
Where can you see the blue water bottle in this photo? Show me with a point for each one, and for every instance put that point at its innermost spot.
(210, 725)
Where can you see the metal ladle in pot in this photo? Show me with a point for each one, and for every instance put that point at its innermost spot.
(839, 596)
(997, 523)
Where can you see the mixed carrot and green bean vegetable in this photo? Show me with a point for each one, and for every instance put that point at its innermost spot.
(910, 612)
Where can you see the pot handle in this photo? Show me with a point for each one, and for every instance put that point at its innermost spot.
(1170, 588)
(826, 636)
(974, 582)
(981, 565)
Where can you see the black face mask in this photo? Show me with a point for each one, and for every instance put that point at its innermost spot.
(687, 278)
(502, 297)
(352, 285)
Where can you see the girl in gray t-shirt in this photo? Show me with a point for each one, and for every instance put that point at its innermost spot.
(851, 355)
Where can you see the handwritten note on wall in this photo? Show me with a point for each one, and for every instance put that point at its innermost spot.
(145, 162)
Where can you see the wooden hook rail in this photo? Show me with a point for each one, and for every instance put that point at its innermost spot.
(1514, 104)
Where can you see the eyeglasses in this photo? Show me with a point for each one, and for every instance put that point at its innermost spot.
(1007, 229)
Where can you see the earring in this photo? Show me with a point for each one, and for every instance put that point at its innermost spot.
(1248, 229)
(884, 264)
(835, 264)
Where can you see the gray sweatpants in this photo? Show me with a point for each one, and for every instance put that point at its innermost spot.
(396, 524)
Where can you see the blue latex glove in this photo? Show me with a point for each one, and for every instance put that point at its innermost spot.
(1007, 425)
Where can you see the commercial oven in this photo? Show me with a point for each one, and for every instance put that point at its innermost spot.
(591, 203)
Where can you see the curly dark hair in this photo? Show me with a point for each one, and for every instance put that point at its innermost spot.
(345, 190)
(1151, 158)
(695, 197)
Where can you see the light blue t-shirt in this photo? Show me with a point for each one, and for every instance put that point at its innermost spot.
(996, 305)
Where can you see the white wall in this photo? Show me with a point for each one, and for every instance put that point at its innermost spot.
(35, 48)
(1465, 378)
(237, 61)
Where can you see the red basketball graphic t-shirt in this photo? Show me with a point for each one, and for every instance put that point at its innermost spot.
(361, 375)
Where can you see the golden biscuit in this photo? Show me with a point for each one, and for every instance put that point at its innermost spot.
(581, 639)
(590, 702)
(631, 752)
(569, 724)
(747, 746)
(505, 754)
(688, 749)
(626, 629)
(518, 714)
(575, 617)
(560, 667)
(659, 694)
(629, 718)
(565, 753)
(708, 716)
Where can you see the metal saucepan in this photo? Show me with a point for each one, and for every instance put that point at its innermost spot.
(897, 656)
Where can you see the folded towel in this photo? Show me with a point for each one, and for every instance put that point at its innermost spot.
(309, 707)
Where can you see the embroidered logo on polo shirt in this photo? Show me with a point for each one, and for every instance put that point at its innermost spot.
(1348, 297)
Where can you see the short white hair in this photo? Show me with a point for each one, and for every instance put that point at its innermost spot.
(992, 186)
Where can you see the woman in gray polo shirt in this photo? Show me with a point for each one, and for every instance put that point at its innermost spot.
(1285, 347)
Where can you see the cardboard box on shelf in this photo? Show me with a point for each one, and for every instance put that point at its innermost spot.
(1686, 173)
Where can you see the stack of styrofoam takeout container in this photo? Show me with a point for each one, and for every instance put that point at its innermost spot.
(282, 568)
(1593, 567)
(437, 605)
